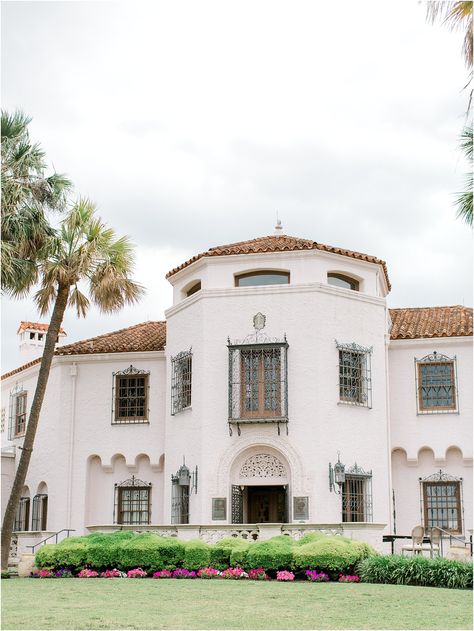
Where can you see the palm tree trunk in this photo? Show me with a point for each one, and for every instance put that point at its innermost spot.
(27, 448)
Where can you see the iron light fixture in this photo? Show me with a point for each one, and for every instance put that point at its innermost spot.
(337, 476)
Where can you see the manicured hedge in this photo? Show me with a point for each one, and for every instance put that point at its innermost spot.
(333, 555)
(416, 570)
(197, 555)
(127, 550)
(274, 554)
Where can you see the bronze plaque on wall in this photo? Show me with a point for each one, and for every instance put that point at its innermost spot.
(219, 508)
(300, 508)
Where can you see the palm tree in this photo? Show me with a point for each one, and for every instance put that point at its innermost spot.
(464, 200)
(26, 196)
(82, 251)
(455, 15)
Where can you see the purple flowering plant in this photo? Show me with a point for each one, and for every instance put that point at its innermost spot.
(316, 577)
(182, 572)
(163, 574)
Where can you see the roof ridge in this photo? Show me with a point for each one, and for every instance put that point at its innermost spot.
(431, 307)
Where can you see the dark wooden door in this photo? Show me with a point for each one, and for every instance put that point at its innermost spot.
(266, 504)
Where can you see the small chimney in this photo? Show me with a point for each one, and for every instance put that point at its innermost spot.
(31, 339)
(278, 228)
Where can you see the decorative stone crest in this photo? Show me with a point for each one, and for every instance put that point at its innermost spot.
(263, 466)
(259, 321)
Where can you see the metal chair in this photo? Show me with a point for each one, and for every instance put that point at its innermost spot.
(417, 546)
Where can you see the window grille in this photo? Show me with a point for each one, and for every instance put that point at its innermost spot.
(132, 504)
(357, 495)
(258, 386)
(179, 501)
(130, 389)
(442, 502)
(436, 386)
(17, 413)
(22, 517)
(355, 374)
(40, 512)
(181, 378)
(2, 426)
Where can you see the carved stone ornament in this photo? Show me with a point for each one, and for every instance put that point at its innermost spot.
(259, 321)
(263, 466)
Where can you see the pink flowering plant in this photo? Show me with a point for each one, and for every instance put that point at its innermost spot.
(316, 577)
(45, 574)
(208, 572)
(348, 578)
(136, 573)
(112, 574)
(234, 573)
(258, 574)
(163, 574)
(284, 575)
(86, 573)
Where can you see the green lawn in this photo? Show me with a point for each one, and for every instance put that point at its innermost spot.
(199, 604)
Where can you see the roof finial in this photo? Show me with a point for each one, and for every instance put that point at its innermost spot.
(278, 227)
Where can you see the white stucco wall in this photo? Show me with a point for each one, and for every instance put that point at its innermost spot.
(422, 444)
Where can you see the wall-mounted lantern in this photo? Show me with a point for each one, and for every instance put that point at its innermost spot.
(337, 476)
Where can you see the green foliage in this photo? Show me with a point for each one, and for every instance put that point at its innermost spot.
(274, 554)
(309, 537)
(197, 555)
(333, 555)
(151, 552)
(229, 552)
(416, 570)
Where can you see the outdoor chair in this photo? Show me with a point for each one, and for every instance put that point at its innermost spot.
(435, 542)
(417, 546)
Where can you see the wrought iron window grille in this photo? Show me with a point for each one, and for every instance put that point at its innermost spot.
(132, 502)
(40, 512)
(357, 502)
(17, 412)
(2, 427)
(22, 517)
(355, 374)
(183, 483)
(442, 502)
(181, 381)
(436, 384)
(130, 396)
(258, 382)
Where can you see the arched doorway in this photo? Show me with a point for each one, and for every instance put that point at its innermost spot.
(260, 478)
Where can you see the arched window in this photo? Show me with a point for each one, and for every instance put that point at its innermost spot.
(340, 280)
(40, 512)
(193, 289)
(22, 517)
(262, 277)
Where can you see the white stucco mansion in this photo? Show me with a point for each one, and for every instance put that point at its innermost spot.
(280, 390)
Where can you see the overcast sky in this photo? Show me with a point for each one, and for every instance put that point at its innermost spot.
(190, 124)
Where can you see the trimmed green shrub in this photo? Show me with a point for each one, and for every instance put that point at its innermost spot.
(274, 554)
(150, 552)
(329, 554)
(416, 570)
(197, 555)
(72, 554)
(229, 552)
(309, 537)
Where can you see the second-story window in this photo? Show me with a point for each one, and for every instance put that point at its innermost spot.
(355, 380)
(130, 398)
(17, 416)
(436, 384)
(181, 381)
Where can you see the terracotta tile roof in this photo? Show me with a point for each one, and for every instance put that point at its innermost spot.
(36, 326)
(421, 322)
(278, 243)
(147, 336)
